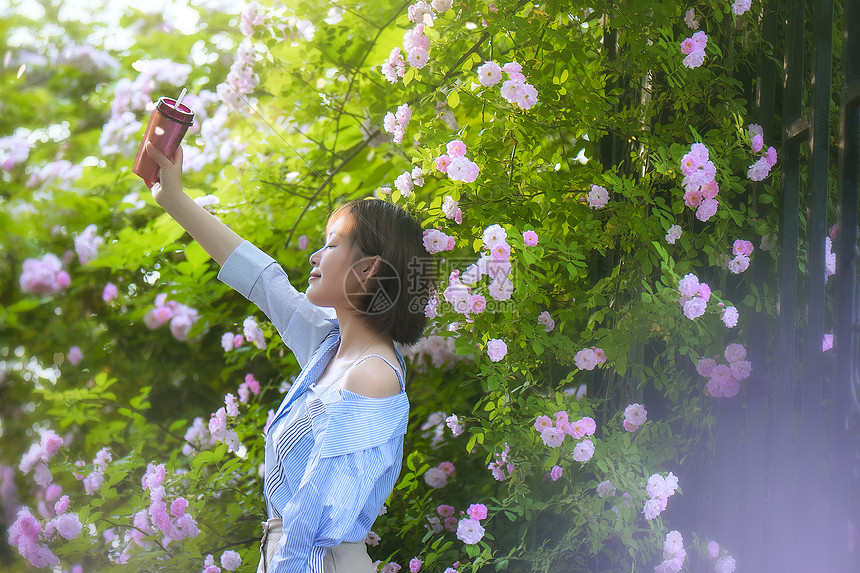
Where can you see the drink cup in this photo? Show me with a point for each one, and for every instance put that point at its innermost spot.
(166, 128)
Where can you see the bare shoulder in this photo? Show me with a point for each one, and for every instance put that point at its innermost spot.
(372, 378)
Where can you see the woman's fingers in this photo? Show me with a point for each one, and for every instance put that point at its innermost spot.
(161, 159)
(157, 155)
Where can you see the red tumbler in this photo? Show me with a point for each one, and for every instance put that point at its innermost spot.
(167, 126)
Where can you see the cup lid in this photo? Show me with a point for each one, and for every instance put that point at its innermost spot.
(182, 114)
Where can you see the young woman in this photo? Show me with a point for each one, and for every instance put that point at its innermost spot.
(334, 448)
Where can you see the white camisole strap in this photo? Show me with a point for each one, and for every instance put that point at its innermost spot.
(362, 359)
(396, 370)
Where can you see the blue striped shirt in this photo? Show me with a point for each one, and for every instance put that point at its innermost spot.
(333, 468)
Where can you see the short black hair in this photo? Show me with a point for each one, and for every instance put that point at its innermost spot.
(396, 299)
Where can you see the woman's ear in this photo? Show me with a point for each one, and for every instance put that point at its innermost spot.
(370, 266)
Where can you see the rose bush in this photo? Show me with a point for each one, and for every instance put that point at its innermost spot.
(571, 195)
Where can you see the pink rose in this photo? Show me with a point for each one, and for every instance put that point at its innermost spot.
(230, 560)
(512, 68)
(700, 152)
(435, 241)
(694, 308)
(447, 468)
(545, 319)
(674, 543)
(673, 234)
(62, 505)
(461, 169)
(177, 508)
(605, 489)
(713, 549)
(50, 443)
(456, 149)
(730, 316)
(693, 198)
(731, 387)
(721, 373)
(706, 366)
(501, 251)
(435, 478)
(694, 59)
(726, 564)
(68, 525)
(583, 451)
(53, 491)
(417, 57)
(552, 437)
(75, 355)
(109, 293)
(598, 197)
(690, 19)
(689, 164)
(469, 531)
(757, 142)
(716, 387)
(701, 40)
(530, 238)
(442, 163)
(586, 359)
(710, 189)
(741, 247)
(707, 209)
(636, 414)
(489, 74)
(689, 285)
(252, 383)
(735, 352)
(589, 426)
(770, 156)
(496, 349)
(477, 303)
(740, 7)
(494, 234)
(445, 510)
(741, 369)
(687, 46)
(656, 486)
(739, 264)
(759, 170)
(477, 511)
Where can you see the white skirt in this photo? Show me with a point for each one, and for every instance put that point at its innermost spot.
(344, 558)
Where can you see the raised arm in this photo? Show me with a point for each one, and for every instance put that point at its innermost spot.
(215, 237)
(301, 324)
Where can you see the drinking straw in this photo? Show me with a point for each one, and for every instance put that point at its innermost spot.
(179, 99)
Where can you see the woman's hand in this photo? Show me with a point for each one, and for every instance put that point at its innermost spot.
(170, 174)
(215, 237)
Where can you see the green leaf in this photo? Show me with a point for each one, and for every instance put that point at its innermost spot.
(453, 99)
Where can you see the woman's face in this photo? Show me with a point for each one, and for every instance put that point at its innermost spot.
(336, 268)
